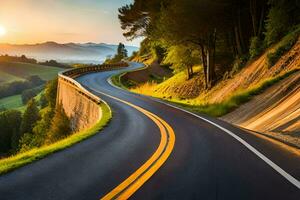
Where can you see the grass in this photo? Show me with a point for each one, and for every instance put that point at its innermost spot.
(15, 101)
(217, 109)
(11, 71)
(284, 46)
(7, 78)
(116, 80)
(11, 102)
(19, 160)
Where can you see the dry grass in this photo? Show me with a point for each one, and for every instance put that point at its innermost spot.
(201, 105)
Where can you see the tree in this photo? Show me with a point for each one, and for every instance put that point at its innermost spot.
(60, 126)
(47, 112)
(281, 18)
(10, 122)
(28, 141)
(182, 58)
(51, 92)
(121, 51)
(121, 54)
(180, 25)
(30, 117)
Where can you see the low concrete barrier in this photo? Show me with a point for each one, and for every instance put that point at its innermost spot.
(80, 105)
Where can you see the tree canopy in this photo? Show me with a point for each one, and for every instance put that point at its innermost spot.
(235, 28)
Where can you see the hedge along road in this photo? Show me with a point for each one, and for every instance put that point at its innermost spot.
(206, 161)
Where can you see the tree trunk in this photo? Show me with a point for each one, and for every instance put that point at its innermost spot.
(204, 65)
(210, 55)
(240, 32)
(261, 21)
(238, 41)
(253, 8)
(190, 72)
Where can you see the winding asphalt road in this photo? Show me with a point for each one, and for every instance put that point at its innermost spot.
(206, 162)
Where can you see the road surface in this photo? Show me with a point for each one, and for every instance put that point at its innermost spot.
(205, 163)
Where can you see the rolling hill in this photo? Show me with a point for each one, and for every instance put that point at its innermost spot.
(69, 52)
(12, 71)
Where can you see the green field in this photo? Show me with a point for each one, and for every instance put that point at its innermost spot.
(12, 71)
(12, 102)
(15, 102)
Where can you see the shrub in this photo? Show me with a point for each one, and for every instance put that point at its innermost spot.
(286, 44)
(60, 126)
(30, 93)
(238, 64)
(28, 141)
(30, 117)
(17, 87)
(255, 47)
(10, 121)
(277, 24)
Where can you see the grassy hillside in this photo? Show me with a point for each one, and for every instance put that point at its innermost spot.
(15, 102)
(11, 71)
(12, 102)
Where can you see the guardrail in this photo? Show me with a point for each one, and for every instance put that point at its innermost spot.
(68, 76)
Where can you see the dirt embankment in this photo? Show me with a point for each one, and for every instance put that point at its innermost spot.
(252, 74)
(276, 112)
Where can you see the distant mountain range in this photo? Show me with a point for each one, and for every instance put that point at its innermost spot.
(67, 53)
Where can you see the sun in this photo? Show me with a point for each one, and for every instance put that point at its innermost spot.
(2, 30)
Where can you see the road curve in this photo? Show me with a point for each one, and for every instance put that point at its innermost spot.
(206, 162)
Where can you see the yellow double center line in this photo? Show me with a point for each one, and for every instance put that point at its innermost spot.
(129, 186)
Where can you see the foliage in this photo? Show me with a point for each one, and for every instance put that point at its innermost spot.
(285, 45)
(28, 141)
(19, 160)
(282, 16)
(54, 63)
(211, 26)
(42, 127)
(30, 117)
(30, 93)
(182, 58)
(18, 87)
(10, 122)
(60, 126)
(23, 58)
(159, 52)
(121, 54)
(50, 92)
(238, 64)
(255, 47)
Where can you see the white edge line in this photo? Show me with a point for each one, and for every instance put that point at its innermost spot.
(286, 175)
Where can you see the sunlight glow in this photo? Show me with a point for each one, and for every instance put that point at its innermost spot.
(2, 30)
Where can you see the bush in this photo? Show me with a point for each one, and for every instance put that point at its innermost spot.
(28, 141)
(255, 47)
(277, 24)
(60, 126)
(286, 44)
(238, 64)
(30, 93)
(30, 117)
(50, 92)
(17, 87)
(10, 122)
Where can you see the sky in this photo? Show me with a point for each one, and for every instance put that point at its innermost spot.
(62, 21)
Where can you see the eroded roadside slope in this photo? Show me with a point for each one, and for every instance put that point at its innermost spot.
(276, 112)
